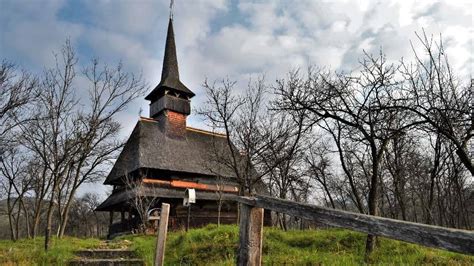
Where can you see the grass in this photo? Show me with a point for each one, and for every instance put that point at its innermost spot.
(214, 245)
(31, 251)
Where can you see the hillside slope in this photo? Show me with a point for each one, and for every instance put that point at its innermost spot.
(214, 245)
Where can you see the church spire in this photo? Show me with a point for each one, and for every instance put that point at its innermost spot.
(170, 74)
(170, 61)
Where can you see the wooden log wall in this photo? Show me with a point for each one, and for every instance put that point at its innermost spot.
(205, 213)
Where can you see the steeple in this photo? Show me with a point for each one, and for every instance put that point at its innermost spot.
(170, 100)
(170, 70)
(170, 73)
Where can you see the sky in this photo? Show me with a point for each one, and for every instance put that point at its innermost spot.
(240, 40)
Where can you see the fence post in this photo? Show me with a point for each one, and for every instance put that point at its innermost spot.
(251, 230)
(162, 232)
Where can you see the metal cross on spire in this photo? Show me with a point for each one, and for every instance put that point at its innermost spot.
(171, 8)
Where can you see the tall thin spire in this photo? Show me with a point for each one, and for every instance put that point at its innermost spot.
(170, 73)
(170, 61)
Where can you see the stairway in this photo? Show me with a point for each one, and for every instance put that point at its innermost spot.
(106, 257)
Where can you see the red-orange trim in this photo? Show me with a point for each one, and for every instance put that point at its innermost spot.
(189, 184)
(156, 181)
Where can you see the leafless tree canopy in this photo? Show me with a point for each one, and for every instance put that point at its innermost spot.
(390, 139)
(59, 141)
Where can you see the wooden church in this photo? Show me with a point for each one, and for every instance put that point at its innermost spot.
(163, 157)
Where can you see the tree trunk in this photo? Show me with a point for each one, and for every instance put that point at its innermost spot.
(219, 208)
(326, 189)
(12, 229)
(40, 195)
(48, 226)
(433, 174)
(337, 139)
(466, 160)
(10, 221)
(36, 218)
(17, 221)
(283, 223)
(59, 212)
(27, 220)
(49, 216)
(373, 192)
(65, 214)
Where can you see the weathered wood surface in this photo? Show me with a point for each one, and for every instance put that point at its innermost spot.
(461, 241)
(191, 184)
(162, 232)
(251, 231)
(118, 198)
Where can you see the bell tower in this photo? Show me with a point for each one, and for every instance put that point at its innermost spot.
(170, 100)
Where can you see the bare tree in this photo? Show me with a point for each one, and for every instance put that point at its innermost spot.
(319, 168)
(92, 201)
(283, 156)
(264, 144)
(141, 201)
(51, 135)
(75, 140)
(18, 89)
(349, 161)
(220, 197)
(84, 220)
(238, 117)
(252, 132)
(434, 94)
(356, 103)
(110, 92)
(38, 172)
(16, 184)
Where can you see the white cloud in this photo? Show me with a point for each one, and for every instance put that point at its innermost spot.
(269, 37)
(30, 31)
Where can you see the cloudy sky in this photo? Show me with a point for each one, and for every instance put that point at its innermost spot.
(229, 38)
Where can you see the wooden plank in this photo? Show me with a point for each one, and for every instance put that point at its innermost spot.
(190, 184)
(211, 187)
(156, 181)
(251, 231)
(162, 232)
(240, 199)
(163, 192)
(111, 218)
(456, 240)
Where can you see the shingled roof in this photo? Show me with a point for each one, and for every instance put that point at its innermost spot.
(149, 147)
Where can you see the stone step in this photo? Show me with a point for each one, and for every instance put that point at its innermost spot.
(105, 253)
(106, 262)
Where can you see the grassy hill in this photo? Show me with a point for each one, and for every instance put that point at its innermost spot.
(214, 245)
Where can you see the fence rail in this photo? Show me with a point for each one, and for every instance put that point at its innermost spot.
(250, 250)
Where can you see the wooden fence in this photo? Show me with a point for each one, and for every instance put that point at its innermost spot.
(251, 227)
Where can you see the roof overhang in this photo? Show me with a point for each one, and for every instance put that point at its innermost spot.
(117, 200)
